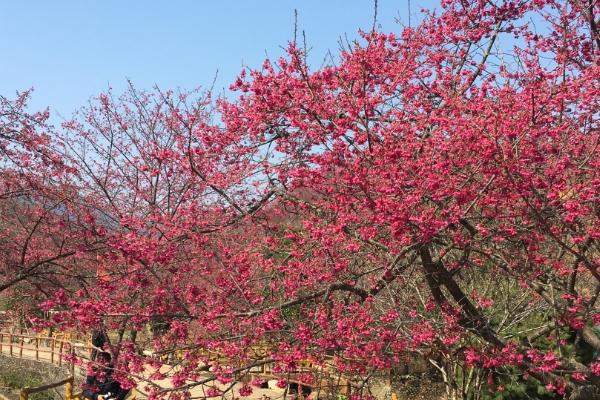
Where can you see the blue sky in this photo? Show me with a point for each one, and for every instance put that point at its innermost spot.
(71, 50)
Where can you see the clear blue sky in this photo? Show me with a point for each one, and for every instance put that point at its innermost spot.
(71, 50)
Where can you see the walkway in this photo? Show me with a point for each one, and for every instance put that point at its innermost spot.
(54, 351)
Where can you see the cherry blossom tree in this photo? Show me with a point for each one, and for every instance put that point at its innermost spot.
(434, 160)
(430, 193)
(32, 188)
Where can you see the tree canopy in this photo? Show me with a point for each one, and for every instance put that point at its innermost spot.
(432, 191)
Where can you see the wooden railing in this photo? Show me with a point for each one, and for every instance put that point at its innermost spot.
(48, 349)
(327, 377)
(69, 394)
(51, 350)
(61, 352)
(67, 382)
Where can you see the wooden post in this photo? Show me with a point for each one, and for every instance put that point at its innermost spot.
(21, 348)
(72, 354)
(69, 389)
(10, 339)
(60, 352)
(37, 349)
(24, 394)
(1, 340)
(52, 351)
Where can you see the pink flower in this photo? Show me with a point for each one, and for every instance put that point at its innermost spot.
(471, 357)
(282, 383)
(595, 368)
(245, 391)
(579, 376)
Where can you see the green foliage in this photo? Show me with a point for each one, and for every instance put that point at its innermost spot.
(515, 387)
(291, 314)
(281, 253)
(7, 303)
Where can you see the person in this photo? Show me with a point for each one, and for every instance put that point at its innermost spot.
(101, 385)
(99, 339)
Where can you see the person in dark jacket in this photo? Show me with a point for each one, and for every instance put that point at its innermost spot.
(101, 385)
(99, 339)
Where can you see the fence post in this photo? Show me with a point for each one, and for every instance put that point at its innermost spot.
(22, 345)
(37, 349)
(69, 389)
(72, 353)
(1, 340)
(60, 353)
(10, 346)
(52, 351)
(24, 394)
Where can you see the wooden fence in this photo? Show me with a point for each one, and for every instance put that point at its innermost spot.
(61, 351)
(68, 383)
(52, 350)
(326, 378)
